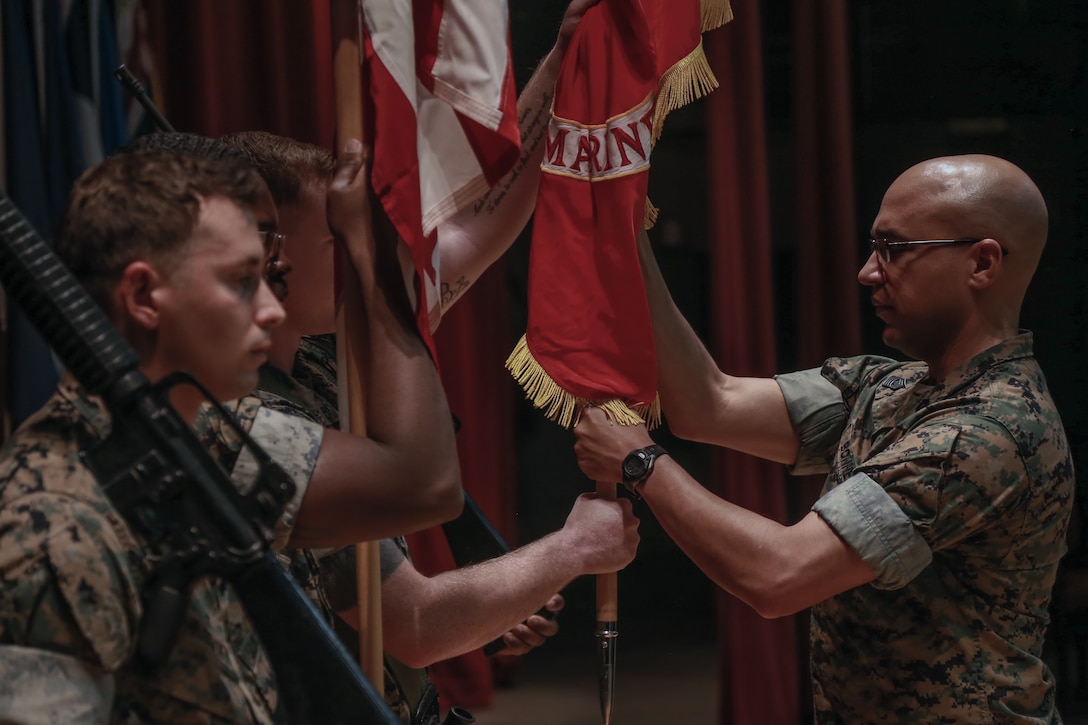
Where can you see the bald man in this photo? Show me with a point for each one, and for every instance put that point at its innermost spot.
(929, 558)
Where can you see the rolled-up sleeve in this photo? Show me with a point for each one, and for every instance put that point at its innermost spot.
(863, 514)
(292, 442)
(818, 415)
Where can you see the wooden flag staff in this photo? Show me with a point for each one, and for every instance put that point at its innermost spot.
(351, 332)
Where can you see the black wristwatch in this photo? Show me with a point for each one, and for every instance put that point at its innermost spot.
(638, 465)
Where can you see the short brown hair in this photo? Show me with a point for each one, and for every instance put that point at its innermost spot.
(285, 164)
(143, 205)
(189, 144)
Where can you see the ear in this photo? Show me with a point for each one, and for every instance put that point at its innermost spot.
(988, 257)
(134, 295)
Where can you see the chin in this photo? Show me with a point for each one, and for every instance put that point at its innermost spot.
(894, 342)
(903, 347)
(242, 387)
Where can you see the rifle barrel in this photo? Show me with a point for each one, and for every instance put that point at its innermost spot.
(132, 83)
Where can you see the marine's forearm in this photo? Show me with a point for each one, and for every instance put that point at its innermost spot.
(429, 619)
(478, 235)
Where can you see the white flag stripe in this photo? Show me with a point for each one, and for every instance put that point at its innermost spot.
(471, 67)
(450, 175)
(422, 141)
(391, 32)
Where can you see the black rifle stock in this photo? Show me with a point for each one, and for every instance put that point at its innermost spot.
(171, 491)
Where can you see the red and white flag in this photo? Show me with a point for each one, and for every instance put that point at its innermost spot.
(442, 117)
(589, 338)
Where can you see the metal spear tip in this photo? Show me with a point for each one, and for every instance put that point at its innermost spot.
(607, 635)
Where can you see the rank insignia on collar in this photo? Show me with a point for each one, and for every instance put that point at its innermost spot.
(893, 382)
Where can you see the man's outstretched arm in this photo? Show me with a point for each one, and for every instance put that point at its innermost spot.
(427, 619)
(700, 401)
(775, 569)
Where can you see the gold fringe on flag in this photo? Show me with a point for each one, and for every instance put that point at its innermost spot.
(650, 217)
(688, 80)
(563, 408)
(716, 13)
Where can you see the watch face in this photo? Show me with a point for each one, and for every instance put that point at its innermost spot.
(634, 466)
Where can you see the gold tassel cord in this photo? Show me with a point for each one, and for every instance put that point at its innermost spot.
(716, 13)
(649, 218)
(690, 79)
(544, 393)
(563, 408)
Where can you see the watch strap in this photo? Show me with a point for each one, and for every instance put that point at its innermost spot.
(650, 454)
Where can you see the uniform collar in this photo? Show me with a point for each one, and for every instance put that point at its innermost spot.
(1017, 347)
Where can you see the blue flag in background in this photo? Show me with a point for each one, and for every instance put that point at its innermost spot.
(52, 67)
(110, 99)
(90, 33)
(33, 373)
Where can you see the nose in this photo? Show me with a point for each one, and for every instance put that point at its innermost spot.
(269, 312)
(871, 273)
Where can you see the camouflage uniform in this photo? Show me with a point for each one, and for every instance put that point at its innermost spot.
(277, 391)
(315, 369)
(958, 496)
(329, 576)
(71, 578)
(296, 454)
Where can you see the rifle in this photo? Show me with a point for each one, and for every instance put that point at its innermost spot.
(174, 495)
(133, 85)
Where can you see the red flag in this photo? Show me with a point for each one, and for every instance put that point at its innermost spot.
(442, 112)
(589, 337)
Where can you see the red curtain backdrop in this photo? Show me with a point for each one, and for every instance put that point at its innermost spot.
(244, 65)
(757, 657)
(764, 663)
(828, 244)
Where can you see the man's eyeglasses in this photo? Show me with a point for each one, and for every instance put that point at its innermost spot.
(884, 248)
(273, 242)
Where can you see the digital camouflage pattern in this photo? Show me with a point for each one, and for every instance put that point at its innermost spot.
(411, 694)
(291, 441)
(47, 688)
(278, 391)
(71, 575)
(315, 369)
(980, 464)
(330, 579)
